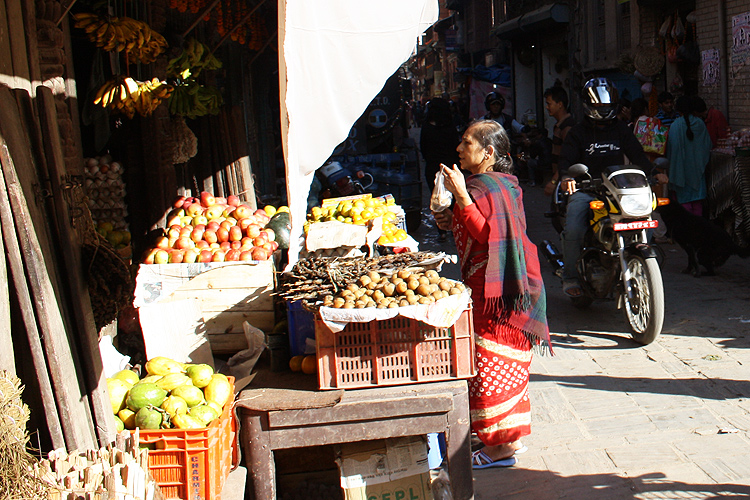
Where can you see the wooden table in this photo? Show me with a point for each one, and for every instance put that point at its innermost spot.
(274, 418)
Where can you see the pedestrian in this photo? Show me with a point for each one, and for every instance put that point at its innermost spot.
(624, 112)
(638, 110)
(715, 121)
(666, 114)
(556, 99)
(438, 141)
(501, 267)
(688, 151)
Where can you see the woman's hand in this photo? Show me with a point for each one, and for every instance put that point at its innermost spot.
(444, 219)
(455, 182)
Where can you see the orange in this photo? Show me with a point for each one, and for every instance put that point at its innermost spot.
(310, 364)
(296, 363)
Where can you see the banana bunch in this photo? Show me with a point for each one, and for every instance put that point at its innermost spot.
(119, 34)
(192, 100)
(127, 96)
(194, 58)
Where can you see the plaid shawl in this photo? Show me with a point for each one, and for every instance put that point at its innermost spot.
(513, 289)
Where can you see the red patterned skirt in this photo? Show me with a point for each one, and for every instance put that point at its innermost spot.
(498, 395)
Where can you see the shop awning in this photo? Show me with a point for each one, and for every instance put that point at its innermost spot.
(549, 16)
(334, 58)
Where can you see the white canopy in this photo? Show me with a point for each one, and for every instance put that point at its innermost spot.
(334, 58)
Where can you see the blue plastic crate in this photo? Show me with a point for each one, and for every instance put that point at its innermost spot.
(301, 327)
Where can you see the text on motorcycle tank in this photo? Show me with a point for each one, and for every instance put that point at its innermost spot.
(639, 224)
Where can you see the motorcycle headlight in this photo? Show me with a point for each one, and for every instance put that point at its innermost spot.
(636, 205)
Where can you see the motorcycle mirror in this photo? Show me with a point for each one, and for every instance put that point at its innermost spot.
(578, 170)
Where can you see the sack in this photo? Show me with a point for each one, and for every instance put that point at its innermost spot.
(652, 135)
(441, 197)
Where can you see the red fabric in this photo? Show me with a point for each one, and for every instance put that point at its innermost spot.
(717, 125)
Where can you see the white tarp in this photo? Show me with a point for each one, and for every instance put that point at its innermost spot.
(334, 58)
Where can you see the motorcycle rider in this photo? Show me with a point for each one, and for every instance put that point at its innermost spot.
(600, 140)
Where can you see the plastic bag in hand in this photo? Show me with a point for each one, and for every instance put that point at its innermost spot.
(441, 197)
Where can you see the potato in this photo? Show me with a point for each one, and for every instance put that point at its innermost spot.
(445, 285)
(338, 302)
(377, 295)
(412, 284)
(404, 274)
(388, 289)
(401, 287)
(364, 280)
(424, 290)
(374, 276)
(424, 280)
(352, 287)
(403, 303)
(454, 291)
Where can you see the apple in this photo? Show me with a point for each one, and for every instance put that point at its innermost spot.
(202, 245)
(194, 209)
(268, 245)
(246, 256)
(247, 243)
(252, 231)
(162, 242)
(262, 238)
(222, 234)
(214, 246)
(235, 233)
(186, 220)
(174, 232)
(202, 227)
(214, 212)
(176, 256)
(210, 236)
(218, 256)
(275, 245)
(191, 255)
(186, 230)
(270, 233)
(199, 220)
(259, 253)
(161, 257)
(148, 258)
(242, 212)
(207, 199)
(233, 200)
(179, 201)
(225, 246)
(205, 256)
(197, 234)
(236, 245)
(220, 200)
(174, 220)
(212, 225)
(183, 243)
(226, 224)
(232, 255)
(243, 223)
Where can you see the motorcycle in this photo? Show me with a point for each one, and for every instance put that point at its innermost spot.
(616, 261)
(338, 180)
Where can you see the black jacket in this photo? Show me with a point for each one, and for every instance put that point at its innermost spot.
(599, 147)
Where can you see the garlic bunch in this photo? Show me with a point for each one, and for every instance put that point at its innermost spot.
(105, 189)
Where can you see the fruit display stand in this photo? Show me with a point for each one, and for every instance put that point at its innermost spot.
(193, 464)
(227, 294)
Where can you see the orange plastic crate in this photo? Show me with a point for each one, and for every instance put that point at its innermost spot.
(393, 352)
(193, 464)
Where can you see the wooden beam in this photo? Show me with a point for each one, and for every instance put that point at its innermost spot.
(7, 355)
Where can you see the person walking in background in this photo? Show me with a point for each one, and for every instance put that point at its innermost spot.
(666, 113)
(715, 121)
(688, 151)
(501, 267)
(638, 110)
(438, 141)
(556, 99)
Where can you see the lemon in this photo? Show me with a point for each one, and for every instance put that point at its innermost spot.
(127, 376)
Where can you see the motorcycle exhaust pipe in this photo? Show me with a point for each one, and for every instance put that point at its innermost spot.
(553, 256)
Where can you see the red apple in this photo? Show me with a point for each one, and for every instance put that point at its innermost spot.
(259, 253)
(232, 255)
(179, 201)
(236, 245)
(268, 245)
(210, 236)
(252, 231)
(247, 243)
(175, 219)
(218, 256)
(184, 242)
(233, 200)
(162, 242)
(235, 233)
(262, 238)
(202, 245)
(194, 209)
(161, 257)
(270, 233)
(214, 246)
(176, 256)
(246, 256)
(205, 256)
(172, 241)
(202, 227)
(191, 255)
(225, 246)
(186, 231)
(207, 199)
(275, 245)
(220, 200)
(214, 212)
(212, 225)
(174, 232)
(148, 257)
(226, 224)
(222, 234)
(242, 212)
(197, 234)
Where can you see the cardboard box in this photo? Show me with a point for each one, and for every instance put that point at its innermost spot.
(227, 294)
(389, 469)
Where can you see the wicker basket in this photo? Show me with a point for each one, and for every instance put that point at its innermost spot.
(649, 61)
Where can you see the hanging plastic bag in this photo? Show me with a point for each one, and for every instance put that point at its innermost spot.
(665, 27)
(678, 30)
(441, 197)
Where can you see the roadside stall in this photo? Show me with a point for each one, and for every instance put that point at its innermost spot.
(728, 183)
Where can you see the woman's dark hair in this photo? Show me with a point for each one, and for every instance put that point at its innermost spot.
(490, 133)
(438, 110)
(699, 105)
(638, 108)
(684, 106)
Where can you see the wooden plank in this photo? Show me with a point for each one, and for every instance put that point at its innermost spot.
(16, 36)
(6, 64)
(78, 296)
(71, 403)
(32, 49)
(7, 354)
(15, 261)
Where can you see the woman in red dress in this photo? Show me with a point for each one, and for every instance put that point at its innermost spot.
(501, 266)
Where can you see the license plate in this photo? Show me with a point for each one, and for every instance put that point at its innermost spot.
(639, 224)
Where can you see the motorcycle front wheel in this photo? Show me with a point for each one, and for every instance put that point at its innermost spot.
(644, 307)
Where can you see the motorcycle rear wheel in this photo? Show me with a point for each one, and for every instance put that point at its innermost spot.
(645, 313)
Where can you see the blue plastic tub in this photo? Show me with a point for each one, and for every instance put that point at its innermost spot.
(301, 327)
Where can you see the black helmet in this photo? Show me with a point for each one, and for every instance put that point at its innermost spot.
(599, 99)
(492, 97)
